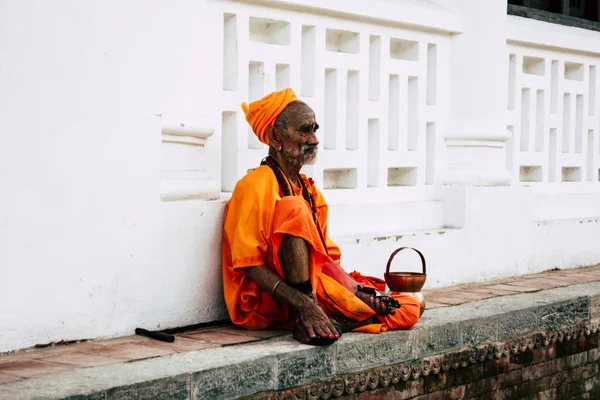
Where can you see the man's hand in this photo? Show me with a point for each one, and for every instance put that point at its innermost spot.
(316, 322)
(376, 301)
(314, 319)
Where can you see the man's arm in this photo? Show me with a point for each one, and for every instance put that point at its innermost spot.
(313, 317)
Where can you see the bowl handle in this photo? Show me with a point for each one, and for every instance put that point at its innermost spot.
(387, 269)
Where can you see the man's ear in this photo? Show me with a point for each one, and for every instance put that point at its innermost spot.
(274, 138)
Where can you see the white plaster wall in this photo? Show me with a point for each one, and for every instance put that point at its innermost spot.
(87, 248)
(499, 237)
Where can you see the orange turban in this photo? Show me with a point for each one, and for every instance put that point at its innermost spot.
(262, 113)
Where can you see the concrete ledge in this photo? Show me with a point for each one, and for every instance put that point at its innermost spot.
(281, 363)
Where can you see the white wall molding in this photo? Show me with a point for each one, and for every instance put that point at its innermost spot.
(489, 139)
(530, 32)
(415, 14)
(184, 175)
(186, 129)
(476, 135)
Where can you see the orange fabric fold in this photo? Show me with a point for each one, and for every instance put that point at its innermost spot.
(262, 113)
(256, 218)
(372, 281)
(336, 299)
(251, 238)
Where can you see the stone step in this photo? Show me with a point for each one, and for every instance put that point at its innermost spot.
(281, 363)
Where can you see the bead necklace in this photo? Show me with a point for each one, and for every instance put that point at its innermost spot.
(286, 185)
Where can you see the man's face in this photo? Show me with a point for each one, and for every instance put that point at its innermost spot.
(299, 143)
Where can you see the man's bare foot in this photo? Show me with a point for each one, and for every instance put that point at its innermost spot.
(301, 334)
(314, 327)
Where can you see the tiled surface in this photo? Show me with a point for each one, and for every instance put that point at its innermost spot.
(128, 351)
(81, 360)
(30, 369)
(5, 378)
(511, 288)
(260, 334)
(522, 284)
(182, 345)
(217, 336)
(53, 359)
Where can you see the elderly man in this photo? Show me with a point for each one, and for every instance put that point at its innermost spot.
(280, 269)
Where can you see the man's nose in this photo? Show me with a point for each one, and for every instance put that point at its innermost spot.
(313, 140)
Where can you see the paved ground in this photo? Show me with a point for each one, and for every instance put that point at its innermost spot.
(54, 359)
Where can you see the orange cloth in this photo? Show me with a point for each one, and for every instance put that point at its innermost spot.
(262, 113)
(256, 218)
(371, 281)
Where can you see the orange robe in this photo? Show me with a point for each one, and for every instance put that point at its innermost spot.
(256, 218)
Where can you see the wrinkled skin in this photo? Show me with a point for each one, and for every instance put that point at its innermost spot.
(317, 323)
(314, 319)
(297, 145)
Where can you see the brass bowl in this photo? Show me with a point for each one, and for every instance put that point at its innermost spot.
(405, 281)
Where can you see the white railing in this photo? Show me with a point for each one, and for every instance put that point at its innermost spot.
(553, 108)
(378, 92)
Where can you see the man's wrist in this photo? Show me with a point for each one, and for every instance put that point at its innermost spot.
(367, 290)
(305, 302)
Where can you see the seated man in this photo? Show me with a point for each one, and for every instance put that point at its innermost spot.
(280, 269)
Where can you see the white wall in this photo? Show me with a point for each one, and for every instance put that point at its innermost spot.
(110, 214)
(87, 248)
(499, 236)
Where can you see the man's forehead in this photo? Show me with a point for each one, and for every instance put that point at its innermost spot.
(301, 113)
